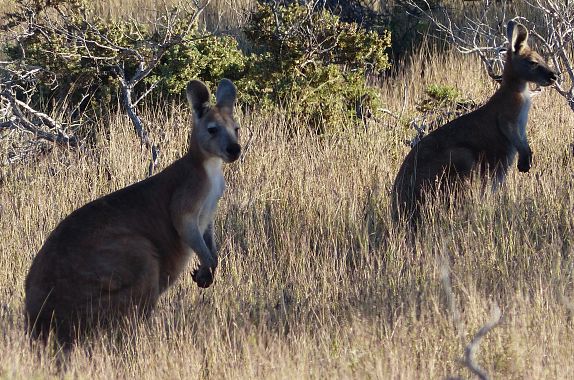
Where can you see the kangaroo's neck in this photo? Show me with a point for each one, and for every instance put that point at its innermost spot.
(213, 167)
(511, 81)
(197, 157)
(511, 105)
(195, 154)
(513, 98)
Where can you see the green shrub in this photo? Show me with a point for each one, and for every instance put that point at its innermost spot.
(304, 58)
(313, 61)
(442, 94)
(72, 69)
(442, 104)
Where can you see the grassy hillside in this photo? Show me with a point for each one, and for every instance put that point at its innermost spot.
(315, 280)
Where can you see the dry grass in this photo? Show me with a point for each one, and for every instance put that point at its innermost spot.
(219, 14)
(7, 6)
(316, 281)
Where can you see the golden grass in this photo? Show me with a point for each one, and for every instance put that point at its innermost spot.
(7, 6)
(218, 15)
(316, 281)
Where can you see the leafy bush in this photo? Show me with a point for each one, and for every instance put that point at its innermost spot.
(310, 59)
(209, 58)
(302, 56)
(440, 105)
(442, 93)
(79, 53)
(444, 98)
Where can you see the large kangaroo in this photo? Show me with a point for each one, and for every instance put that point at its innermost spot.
(115, 255)
(485, 140)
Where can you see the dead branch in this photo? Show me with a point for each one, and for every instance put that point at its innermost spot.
(472, 348)
(93, 44)
(18, 120)
(19, 115)
(483, 35)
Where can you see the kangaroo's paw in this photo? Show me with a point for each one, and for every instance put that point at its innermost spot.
(524, 163)
(203, 276)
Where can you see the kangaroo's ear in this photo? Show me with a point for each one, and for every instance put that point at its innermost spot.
(226, 95)
(517, 36)
(198, 97)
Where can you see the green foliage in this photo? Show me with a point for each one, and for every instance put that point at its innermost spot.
(313, 61)
(307, 59)
(209, 58)
(443, 97)
(442, 104)
(442, 94)
(298, 37)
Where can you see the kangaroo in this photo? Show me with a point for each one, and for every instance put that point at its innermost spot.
(484, 141)
(115, 255)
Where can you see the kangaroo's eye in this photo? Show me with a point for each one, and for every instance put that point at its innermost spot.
(212, 129)
(236, 130)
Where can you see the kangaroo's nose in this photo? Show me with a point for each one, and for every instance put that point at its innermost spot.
(233, 150)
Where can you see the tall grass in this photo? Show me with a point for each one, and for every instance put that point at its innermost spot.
(219, 15)
(316, 281)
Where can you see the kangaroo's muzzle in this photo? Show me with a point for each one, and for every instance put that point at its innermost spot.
(233, 152)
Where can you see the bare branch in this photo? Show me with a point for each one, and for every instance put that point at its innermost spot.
(20, 120)
(483, 35)
(45, 118)
(472, 348)
(7, 124)
(147, 92)
(247, 145)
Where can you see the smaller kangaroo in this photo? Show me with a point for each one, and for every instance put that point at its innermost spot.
(485, 140)
(115, 255)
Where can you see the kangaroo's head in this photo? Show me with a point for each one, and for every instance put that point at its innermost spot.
(522, 62)
(215, 132)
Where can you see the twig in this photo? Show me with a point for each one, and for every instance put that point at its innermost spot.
(472, 348)
(247, 145)
(58, 136)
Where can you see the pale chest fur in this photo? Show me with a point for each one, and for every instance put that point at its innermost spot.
(214, 171)
(523, 113)
(516, 135)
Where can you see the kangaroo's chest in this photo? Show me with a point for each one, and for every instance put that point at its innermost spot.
(514, 130)
(216, 184)
(522, 118)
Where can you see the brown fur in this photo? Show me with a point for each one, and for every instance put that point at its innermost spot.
(484, 141)
(114, 256)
